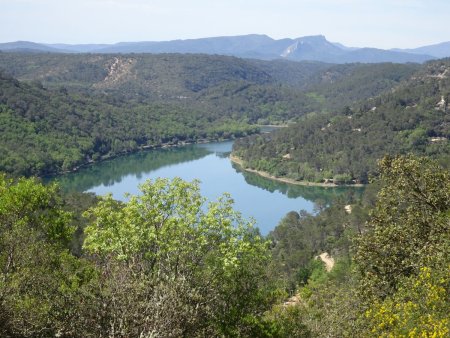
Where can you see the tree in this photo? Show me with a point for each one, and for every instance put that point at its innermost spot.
(420, 308)
(409, 226)
(40, 280)
(403, 258)
(180, 268)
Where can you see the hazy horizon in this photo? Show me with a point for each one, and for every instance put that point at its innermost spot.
(355, 23)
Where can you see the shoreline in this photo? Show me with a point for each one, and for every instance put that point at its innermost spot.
(146, 148)
(265, 174)
(129, 152)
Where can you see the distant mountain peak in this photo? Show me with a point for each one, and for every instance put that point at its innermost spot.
(315, 47)
(439, 50)
(255, 46)
(310, 41)
(313, 38)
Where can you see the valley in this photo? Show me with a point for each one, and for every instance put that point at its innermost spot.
(126, 103)
(122, 213)
(208, 163)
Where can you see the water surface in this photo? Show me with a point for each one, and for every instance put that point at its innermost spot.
(265, 200)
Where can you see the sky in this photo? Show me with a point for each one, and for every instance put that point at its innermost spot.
(356, 23)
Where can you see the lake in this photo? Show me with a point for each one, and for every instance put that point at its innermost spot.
(265, 200)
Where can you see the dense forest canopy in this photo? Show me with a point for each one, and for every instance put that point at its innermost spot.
(167, 263)
(62, 111)
(46, 131)
(344, 145)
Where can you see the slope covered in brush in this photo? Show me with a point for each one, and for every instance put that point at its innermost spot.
(345, 145)
(60, 111)
(46, 131)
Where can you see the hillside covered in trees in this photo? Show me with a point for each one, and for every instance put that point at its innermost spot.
(46, 131)
(344, 145)
(62, 111)
(167, 263)
(391, 259)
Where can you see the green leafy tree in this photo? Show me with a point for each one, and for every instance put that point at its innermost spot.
(39, 279)
(179, 267)
(403, 259)
(395, 283)
(409, 227)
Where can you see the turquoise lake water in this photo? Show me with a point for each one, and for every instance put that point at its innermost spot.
(265, 200)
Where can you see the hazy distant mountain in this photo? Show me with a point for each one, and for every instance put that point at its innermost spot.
(374, 55)
(260, 46)
(341, 46)
(312, 48)
(26, 46)
(82, 48)
(440, 50)
(320, 49)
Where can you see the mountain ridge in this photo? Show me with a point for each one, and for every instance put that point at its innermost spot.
(255, 46)
(440, 50)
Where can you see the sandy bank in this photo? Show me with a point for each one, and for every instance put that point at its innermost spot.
(239, 162)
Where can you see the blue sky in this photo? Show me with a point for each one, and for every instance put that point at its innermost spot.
(360, 23)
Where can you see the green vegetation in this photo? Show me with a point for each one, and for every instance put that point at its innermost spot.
(403, 260)
(45, 131)
(344, 146)
(62, 111)
(166, 264)
(160, 264)
(391, 273)
(301, 236)
(311, 193)
(201, 271)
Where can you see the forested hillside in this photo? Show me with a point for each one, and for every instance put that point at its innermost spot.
(391, 249)
(168, 76)
(61, 111)
(344, 145)
(166, 263)
(47, 130)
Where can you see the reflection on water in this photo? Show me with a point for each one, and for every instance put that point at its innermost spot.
(265, 200)
(311, 193)
(111, 172)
